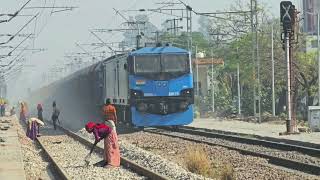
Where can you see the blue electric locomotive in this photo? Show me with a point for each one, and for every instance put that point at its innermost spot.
(160, 86)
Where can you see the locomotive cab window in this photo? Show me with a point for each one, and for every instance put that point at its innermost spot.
(147, 64)
(178, 63)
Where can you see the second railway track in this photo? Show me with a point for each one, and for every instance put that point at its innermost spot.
(276, 155)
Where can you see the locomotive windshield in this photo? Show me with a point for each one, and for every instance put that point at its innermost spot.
(147, 64)
(166, 65)
(175, 63)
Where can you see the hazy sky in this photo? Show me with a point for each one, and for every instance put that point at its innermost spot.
(59, 32)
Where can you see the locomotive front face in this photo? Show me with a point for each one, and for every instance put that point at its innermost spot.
(161, 83)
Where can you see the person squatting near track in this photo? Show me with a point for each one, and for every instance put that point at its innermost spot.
(111, 146)
(32, 127)
(110, 114)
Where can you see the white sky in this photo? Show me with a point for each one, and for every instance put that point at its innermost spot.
(60, 31)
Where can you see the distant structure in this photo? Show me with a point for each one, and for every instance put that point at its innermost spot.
(3, 88)
(310, 9)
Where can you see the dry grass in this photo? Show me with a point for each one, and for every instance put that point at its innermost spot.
(226, 172)
(197, 161)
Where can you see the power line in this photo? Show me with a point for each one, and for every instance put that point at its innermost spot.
(9, 54)
(12, 37)
(95, 35)
(15, 14)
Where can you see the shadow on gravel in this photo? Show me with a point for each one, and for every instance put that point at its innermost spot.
(101, 163)
(124, 129)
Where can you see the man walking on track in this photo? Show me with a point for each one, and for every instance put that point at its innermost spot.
(110, 114)
(55, 115)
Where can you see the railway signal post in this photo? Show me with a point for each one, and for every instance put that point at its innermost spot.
(287, 18)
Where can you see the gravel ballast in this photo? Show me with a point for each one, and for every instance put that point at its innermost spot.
(152, 161)
(245, 167)
(35, 166)
(292, 155)
(70, 155)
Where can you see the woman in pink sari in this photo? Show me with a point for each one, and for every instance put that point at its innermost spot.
(111, 146)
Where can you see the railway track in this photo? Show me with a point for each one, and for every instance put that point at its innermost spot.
(66, 151)
(281, 144)
(304, 159)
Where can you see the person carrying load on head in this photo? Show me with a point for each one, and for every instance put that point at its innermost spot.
(110, 114)
(32, 127)
(111, 146)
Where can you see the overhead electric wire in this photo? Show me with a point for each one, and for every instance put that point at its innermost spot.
(9, 54)
(84, 50)
(102, 41)
(12, 37)
(46, 21)
(204, 14)
(16, 13)
(12, 61)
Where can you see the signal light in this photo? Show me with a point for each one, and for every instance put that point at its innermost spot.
(287, 15)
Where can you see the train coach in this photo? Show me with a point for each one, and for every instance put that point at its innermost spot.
(151, 86)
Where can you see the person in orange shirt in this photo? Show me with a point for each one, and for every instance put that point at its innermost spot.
(110, 114)
(23, 112)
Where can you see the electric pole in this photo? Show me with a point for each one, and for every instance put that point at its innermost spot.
(272, 62)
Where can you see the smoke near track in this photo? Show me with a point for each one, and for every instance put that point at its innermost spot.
(74, 96)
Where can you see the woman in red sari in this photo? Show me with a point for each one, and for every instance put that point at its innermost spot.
(111, 146)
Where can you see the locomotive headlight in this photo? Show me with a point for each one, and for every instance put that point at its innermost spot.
(136, 93)
(142, 107)
(183, 105)
(187, 92)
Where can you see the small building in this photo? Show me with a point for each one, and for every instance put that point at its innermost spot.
(203, 65)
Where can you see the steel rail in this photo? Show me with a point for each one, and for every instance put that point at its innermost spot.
(123, 161)
(63, 175)
(290, 164)
(305, 148)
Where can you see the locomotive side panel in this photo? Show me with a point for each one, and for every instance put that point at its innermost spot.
(123, 81)
(116, 80)
(110, 81)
